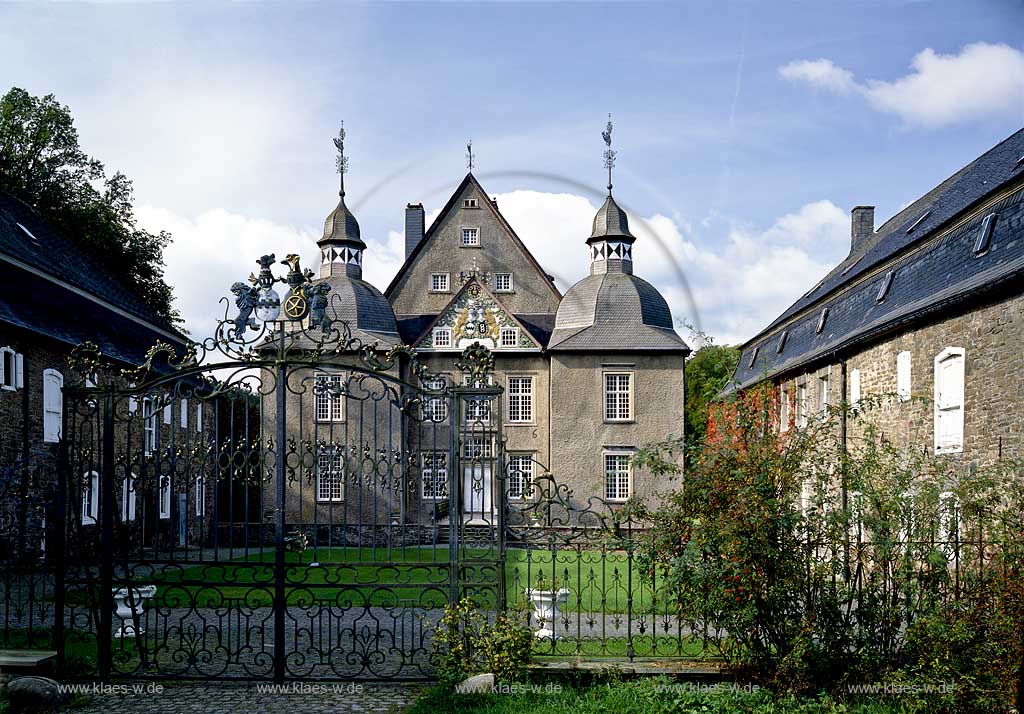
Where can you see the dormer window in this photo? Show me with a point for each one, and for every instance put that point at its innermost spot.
(985, 234)
(918, 222)
(782, 342)
(470, 237)
(470, 203)
(821, 321)
(883, 289)
(27, 232)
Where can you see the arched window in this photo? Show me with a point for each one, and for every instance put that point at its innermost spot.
(949, 401)
(53, 405)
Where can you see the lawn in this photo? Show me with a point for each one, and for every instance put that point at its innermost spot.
(597, 581)
(645, 696)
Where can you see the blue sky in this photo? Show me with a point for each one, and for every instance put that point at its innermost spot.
(746, 131)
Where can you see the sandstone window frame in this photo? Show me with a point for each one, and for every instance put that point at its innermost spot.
(823, 382)
(617, 399)
(441, 338)
(504, 283)
(328, 408)
(904, 366)
(150, 425)
(434, 473)
(330, 475)
(802, 406)
(469, 236)
(785, 407)
(440, 283)
(950, 383)
(618, 475)
(519, 390)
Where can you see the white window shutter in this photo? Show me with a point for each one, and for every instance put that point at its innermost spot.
(167, 413)
(903, 375)
(19, 371)
(199, 416)
(949, 400)
(184, 413)
(854, 386)
(53, 405)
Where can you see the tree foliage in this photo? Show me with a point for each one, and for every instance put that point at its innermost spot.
(42, 163)
(707, 374)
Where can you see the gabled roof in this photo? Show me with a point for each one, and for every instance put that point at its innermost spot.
(32, 243)
(934, 269)
(448, 208)
(484, 295)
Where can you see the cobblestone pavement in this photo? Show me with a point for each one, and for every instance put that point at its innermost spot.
(250, 698)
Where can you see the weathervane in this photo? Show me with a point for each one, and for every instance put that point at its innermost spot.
(341, 161)
(609, 154)
(469, 155)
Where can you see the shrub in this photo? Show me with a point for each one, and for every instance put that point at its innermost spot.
(467, 643)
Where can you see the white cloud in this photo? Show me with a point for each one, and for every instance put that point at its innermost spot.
(821, 73)
(982, 81)
(737, 284)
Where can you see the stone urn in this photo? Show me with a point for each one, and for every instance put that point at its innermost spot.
(130, 608)
(547, 606)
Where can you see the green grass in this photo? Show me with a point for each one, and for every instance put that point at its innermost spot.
(645, 696)
(414, 575)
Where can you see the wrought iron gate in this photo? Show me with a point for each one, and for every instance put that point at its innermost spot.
(286, 502)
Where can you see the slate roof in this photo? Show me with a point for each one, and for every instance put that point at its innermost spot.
(610, 222)
(934, 269)
(341, 226)
(52, 253)
(614, 311)
(40, 305)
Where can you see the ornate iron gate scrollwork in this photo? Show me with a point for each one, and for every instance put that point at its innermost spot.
(281, 500)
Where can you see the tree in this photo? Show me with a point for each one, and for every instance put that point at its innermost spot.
(42, 164)
(707, 373)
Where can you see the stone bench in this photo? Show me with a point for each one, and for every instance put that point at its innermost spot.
(24, 659)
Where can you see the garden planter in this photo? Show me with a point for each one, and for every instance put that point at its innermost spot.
(547, 606)
(128, 611)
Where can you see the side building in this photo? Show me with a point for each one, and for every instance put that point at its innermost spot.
(928, 308)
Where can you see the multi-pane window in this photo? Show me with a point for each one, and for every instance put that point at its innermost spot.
(617, 477)
(520, 399)
(442, 337)
(509, 337)
(801, 404)
(11, 369)
(477, 409)
(439, 282)
(330, 475)
(903, 376)
(434, 476)
(150, 425)
(90, 497)
(470, 236)
(435, 409)
(618, 396)
(520, 475)
(53, 405)
(330, 401)
(949, 401)
(503, 282)
(165, 496)
(478, 447)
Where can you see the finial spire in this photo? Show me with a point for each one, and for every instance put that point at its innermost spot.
(341, 161)
(470, 157)
(609, 154)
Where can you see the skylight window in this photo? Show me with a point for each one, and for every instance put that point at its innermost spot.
(27, 232)
(883, 289)
(811, 291)
(753, 357)
(821, 320)
(916, 223)
(849, 267)
(988, 225)
(782, 342)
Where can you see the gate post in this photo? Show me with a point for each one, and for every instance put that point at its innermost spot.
(279, 465)
(60, 518)
(454, 497)
(106, 502)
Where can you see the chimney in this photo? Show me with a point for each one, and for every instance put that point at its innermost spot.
(414, 219)
(862, 226)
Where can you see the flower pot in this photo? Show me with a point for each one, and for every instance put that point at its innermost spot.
(547, 608)
(128, 611)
